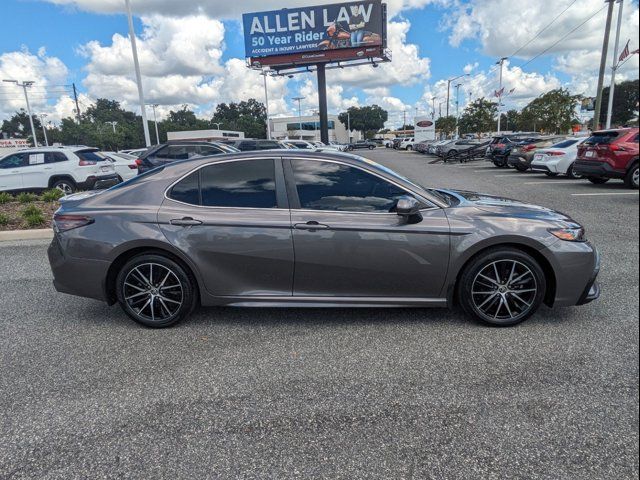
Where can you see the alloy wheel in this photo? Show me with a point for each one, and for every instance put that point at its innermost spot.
(153, 292)
(635, 178)
(65, 188)
(504, 290)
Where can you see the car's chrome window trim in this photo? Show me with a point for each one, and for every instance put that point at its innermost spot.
(402, 187)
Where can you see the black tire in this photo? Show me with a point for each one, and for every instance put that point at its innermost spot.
(479, 304)
(551, 174)
(371, 147)
(409, 148)
(571, 173)
(521, 168)
(66, 185)
(631, 180)
(500, 162)
(174, 303)
(598, 180)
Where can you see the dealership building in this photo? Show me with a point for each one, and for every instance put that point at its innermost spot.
(289, 127)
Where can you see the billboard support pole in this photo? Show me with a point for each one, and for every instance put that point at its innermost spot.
(322, 100)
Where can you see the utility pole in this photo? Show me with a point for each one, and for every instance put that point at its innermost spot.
(349, 124)
(44, 131)
(457, 108)
(299, 100)
(155, 121)
(433, 107)
(24, 86)
(603, 66)
(614, 67)
(136, 64)
(404, 120)
(266, 103)
(75, 98)
(501, 63)
(449, 88)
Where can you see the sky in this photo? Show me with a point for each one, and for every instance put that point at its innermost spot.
(192, 52)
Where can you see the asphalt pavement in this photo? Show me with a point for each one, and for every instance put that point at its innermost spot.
(335, 394)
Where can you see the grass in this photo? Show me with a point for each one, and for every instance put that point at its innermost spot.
(5, 198)
(52, 195)
(4, 219)
(33, 216)
(25, 197)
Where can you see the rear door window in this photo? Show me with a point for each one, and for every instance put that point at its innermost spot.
(187, 190)
(89, 156)
(55, 157)
(244, 184)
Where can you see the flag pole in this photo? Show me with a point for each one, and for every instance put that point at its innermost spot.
(615, 65)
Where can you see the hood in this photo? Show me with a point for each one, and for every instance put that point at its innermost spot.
(507, 207)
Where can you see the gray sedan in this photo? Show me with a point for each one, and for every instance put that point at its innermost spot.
(308, 229)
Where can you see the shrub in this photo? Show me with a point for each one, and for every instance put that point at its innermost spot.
(27, 197)
(4, 219)
(52, 195)
(33, 216)
(5, 198)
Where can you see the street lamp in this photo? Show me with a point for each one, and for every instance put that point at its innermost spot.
(299, 100)
(155, 121)
(433, 107)
(216, 124)
(113, 125)
(449, 88)
(44, 131)
(264, 73)
(24, 86)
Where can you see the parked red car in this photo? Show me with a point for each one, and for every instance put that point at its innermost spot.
(610, 154)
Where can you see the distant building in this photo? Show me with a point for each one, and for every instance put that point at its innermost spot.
(289, 127)
(205, 135)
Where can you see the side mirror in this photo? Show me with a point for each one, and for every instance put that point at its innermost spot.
(407, 206)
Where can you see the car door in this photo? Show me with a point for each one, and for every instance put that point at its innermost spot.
(39, 167)
(348, 241)
(232, 219)
(11, 168)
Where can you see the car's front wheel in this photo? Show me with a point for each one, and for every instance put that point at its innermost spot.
(632, 179)
(551, 174)
(598, 180)
(65, 186)
(502, 287)
(155, 291)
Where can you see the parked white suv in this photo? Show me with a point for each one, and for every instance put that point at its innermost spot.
(68, 169)
(407, 143)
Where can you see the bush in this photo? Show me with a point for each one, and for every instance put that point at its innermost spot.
(33, 216)
(52, 195)
(5, 198)
(4, 220)
(27, 197)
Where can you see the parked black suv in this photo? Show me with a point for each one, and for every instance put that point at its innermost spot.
(177, 150)
(362, 144)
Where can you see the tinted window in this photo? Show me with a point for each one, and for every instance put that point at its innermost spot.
(54, 157)
(246, 146)
(13, 161)
(207, 150)
(187, 190)
(248, 184)
(601, 138)
(89, 156)
(268, 145)
(565, 144)
(336, 187)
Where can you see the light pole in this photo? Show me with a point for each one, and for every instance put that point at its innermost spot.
(440, 108)
(603, 65)
(264, 73)
(155, 121)
(113, 125)
(457, 87)
(24, 86)
(433, 107)
(349, 124)
(501, 63)
(136, 64)
(216, 124)
(614, 67)
(449, 88)
(299, 100)
(44, 131)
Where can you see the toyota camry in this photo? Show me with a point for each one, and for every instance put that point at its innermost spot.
(304, 229)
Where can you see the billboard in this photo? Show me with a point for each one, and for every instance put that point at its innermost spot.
(308, 35)
(425, 129)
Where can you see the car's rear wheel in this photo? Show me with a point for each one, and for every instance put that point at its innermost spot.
(499, 163)
(521, 168)
(502, 287)
(155, 291)
(551, 174)
(598, 180)
(65, 186)
(631, 180)
(571, 173)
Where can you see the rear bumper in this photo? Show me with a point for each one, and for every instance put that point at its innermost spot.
(517, 160)
(597, 168)
(99, 183)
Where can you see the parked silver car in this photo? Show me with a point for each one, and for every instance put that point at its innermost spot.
(308, 229)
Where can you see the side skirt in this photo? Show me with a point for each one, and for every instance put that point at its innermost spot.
(327, 302)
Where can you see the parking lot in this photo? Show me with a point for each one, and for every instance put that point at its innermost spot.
(266, 393)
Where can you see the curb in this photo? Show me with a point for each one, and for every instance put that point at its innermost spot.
(42, 234)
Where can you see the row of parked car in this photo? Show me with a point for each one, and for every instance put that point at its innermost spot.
(599, 157)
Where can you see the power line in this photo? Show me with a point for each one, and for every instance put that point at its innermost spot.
(544, 29)
(561, 39)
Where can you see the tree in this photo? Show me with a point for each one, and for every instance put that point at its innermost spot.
(364, 119)
(625, 103)
(553, 112)
(249, 117)
(446, 125)
(510, 120)
(18, 126)
(479, 117)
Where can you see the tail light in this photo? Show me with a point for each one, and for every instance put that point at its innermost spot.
(528, 148)
(500, 145)
(555, 154)
(138, 162)
(616, 148)
(133, 166)
(87, 163)
(63, 223)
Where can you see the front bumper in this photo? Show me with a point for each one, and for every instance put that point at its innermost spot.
(592, 290)
(597, 168)
(99, 183)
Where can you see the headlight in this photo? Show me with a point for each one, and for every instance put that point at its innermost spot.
(570, 234)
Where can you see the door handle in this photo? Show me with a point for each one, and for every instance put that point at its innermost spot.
(311, 226)
(185, 222)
